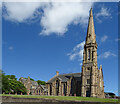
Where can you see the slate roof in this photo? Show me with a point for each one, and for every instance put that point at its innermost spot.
(34, 83)
(43, 86)
(23, 80)
(65, 77)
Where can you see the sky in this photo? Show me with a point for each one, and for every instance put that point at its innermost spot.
(39, 39)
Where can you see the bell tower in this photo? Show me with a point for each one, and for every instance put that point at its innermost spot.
(90, 48)
(90, 73)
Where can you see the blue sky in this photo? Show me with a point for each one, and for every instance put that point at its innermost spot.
(44, 38)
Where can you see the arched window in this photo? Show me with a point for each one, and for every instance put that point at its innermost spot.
(88, 54)
(88, 81)
(50, 89)
(57, 87)
(92, 55)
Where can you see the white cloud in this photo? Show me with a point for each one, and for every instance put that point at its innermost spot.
(10, 48)
(104, 38)
(20, 12)
(58, 16)
(106, 55)
(104, 12)
(55, 18)
(0, 5)
(77, 52)
(118, 39)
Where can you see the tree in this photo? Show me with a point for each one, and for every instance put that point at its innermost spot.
(11, 77)
(5, 84)
(41, 82)
(11, 85)
(17, 87)
(30, 79)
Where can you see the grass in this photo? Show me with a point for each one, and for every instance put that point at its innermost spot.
(72, 98)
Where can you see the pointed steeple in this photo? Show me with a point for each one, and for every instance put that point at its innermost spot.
(91, 37)
(90, 72)
(91, 14)
(28, 78)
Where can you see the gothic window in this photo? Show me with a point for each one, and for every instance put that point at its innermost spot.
(88, 81)
(92, 55)
(88, 54)
(85, 55)
(50, 89)
(57, 84)
(57, 87)
(64, 89)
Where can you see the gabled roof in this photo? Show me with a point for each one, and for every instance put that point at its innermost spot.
(65, 77)
(42, 86)
(34, 83)
(23, 80)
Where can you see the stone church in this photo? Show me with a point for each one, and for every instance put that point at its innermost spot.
(32, 87)
(88, 83)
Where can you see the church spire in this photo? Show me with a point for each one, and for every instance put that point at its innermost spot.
(91, 14)
(91, 38)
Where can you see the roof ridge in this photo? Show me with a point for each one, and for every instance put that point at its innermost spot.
(51, 78)
(64, 76)
(69, 73)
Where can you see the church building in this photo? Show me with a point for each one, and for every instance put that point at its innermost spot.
(88, 83)
(32, 87)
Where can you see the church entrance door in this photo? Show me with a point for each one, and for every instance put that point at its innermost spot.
(87, 93)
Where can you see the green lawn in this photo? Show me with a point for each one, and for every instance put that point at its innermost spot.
(73, 98)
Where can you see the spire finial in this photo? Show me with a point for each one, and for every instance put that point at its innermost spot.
(91, 14)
